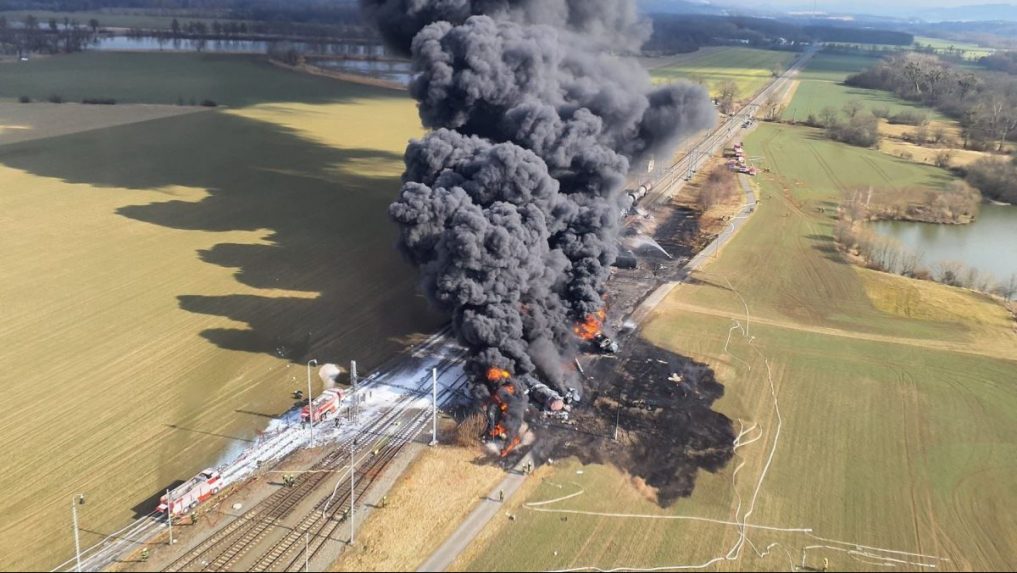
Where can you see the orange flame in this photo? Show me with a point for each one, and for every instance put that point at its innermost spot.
(508, 449)
(497, 374)
(591, 327)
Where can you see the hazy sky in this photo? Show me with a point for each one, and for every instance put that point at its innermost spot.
(840, 3)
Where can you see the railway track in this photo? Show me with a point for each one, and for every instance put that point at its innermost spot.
(228, 546)
(322, 522)
(664, 183)
(97, 557)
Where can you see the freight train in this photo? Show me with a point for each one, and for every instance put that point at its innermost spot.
(633, 197)
(551, 400)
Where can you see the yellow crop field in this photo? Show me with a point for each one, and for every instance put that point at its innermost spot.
(162, 283)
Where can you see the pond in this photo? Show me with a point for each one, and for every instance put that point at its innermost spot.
(989, 244)
(393, 71)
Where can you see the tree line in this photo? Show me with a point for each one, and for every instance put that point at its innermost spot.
(254, 29)
(983, 103)
(304, 18)
(1005, 62)
(680, 33)
(49, 37)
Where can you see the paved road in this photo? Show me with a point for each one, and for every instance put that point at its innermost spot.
(445, 555)
(669, 183)
(671, 180)
(478, 518)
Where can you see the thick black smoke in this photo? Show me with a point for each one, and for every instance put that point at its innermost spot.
(612, 22)
(510, 207)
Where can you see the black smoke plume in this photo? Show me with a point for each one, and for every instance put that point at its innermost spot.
(510, 207)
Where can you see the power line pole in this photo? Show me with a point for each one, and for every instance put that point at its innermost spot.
(310, 402)
(356, 397)
(353, 493)
(307, 551)
(434, 407)
(169, 515)
(617, 422)
(80, 498)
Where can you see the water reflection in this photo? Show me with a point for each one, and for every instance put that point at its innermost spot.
(165, 44)
(989, 244)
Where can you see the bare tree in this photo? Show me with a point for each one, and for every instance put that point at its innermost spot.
(943, 158)
(971, 278)
(728, 94)
(949, 273)
(921, 134)
(852, 107)
(1008, 290)
(938, 134)
(718, 188)
(909, 262)
(828, 116)
(772, 108)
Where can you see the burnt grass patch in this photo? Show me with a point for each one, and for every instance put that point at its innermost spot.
(660, 401)
(662, 404)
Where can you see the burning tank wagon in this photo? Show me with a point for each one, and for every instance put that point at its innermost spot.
(632, 197)
(540, 395)
(503, 386)
(591, 332)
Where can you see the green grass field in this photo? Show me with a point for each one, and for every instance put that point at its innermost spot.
(821, 86)
(968, 50)
(163, 281)
(749, 68)
(118, 19)
(895, 433)
(169, 78)
(811, 171)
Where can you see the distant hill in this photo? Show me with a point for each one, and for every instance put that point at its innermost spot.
(978, 12)
(680, 7)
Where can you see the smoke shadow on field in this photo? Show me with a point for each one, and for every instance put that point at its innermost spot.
(203, 432)
(150, 504)
(826, 245)
(173, 78)
(321, 275)
(698, 280)
(820, 238)
(668, 430)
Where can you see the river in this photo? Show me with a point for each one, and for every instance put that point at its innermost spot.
(989, 244)
(354, 58)
(158, 44)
